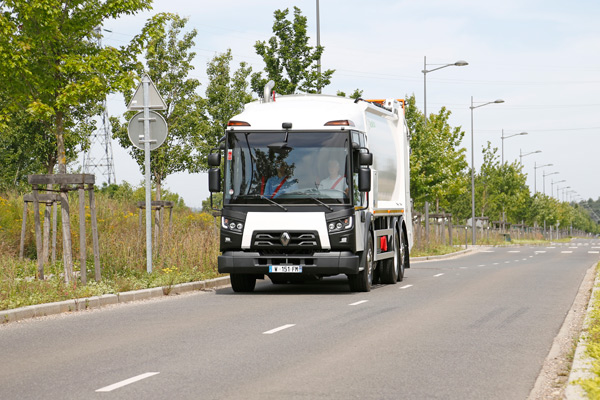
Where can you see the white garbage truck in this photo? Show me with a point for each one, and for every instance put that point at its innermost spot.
(314, 186)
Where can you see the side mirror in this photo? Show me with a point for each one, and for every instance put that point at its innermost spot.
(364, 179)
(365, 159)
(214, 180)
(214, 159)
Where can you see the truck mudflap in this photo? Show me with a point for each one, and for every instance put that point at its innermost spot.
(320, 263)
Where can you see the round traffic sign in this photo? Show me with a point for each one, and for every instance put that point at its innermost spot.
(158, 130)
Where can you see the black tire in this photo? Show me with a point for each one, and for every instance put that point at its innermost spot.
(391, 266)
(362, 281)
(242, 283)
(403, 255)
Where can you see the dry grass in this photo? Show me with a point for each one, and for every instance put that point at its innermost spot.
(188, 252)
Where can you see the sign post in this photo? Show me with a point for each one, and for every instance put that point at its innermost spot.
(148, 96)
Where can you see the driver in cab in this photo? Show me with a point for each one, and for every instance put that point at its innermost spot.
(276, 185)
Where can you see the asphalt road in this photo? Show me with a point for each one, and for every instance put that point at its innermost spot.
(474, 327)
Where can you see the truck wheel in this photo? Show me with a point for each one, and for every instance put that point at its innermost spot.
(402, 254)
(362, 281)
(391, 269)
(242, 283)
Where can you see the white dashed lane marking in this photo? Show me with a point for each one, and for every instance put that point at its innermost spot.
(358, 302)
(566, 252)
(126, 382)
(272, 331)
(406, 286)
(435, 276)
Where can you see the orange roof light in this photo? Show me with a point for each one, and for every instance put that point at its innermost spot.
(238, 123)
(340, 122)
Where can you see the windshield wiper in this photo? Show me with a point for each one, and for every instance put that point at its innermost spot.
(260, 196)
(320, 202)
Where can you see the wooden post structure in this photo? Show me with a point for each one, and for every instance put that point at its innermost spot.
(66, 183)
(95, 244)
(23, 229)
(66, 232)
(427, 223)
(46, 235)
(50, 199)
(158, 206)
(38, 232)
(54, 224)
(82, 244)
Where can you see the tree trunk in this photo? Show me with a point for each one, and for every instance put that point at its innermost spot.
(60, 143)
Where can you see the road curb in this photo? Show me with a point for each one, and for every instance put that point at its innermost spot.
(582, 363)
(443, 256)
(42, 310)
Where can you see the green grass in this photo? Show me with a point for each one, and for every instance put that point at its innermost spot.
(592, 337)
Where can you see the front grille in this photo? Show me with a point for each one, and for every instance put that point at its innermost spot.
(286, 240)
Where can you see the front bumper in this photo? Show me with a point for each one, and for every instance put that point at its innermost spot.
(319, 263)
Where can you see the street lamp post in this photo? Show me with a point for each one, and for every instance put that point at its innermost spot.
(544, 175)
(535, 168)
(521, 155)
(552, 183)
(506, 137)
(564, 190)
(425, 71)
(473, 237)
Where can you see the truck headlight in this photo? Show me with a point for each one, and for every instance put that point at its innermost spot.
(340, 225)
(231, 225)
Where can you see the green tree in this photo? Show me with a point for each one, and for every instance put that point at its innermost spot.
(357, 94)
(168, 61)
(501, 189)
(226, 94)
(54, 69)
(437, 163)
(289, 61)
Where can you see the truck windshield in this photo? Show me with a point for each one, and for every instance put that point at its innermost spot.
(288, 168)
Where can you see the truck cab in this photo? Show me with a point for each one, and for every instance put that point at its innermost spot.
(298, 200)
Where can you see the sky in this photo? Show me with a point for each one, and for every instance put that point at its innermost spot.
(541, 57)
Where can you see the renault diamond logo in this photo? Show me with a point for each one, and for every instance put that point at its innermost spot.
(285, 238)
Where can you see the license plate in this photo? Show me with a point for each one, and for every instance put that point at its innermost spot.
(286, 269)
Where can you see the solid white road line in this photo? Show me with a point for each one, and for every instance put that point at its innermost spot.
(358, 302)
(406, 286)
(272, 331)
(435, 276)
(126, 382)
